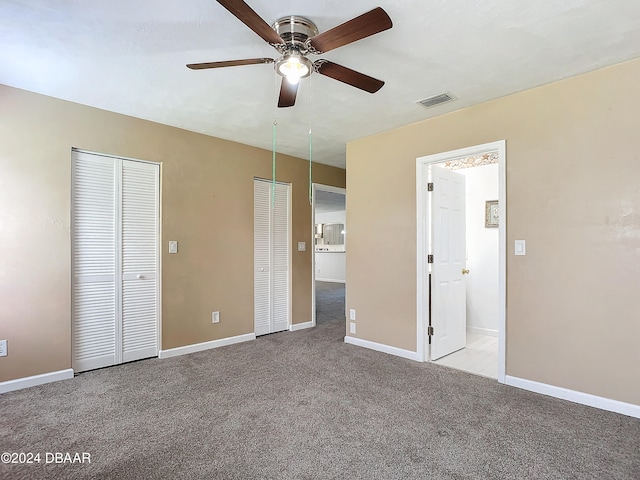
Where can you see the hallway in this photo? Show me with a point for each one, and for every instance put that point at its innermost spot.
(329, 302)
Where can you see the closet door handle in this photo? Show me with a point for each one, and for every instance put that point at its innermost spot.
(140, 277)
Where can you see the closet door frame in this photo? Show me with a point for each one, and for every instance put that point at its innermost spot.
(118, 233)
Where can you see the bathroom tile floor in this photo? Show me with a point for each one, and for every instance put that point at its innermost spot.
(480, 356)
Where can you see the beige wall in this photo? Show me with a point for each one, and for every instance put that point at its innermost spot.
(207, 205)
(573, 192)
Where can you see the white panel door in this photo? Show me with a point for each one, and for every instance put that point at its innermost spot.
(272, 258)
(448, 244)
(140, 201)
(94, 309)
(115, 207)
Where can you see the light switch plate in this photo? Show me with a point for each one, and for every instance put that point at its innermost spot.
(173, 246)
(302, 246)
(352, 314)
(3, 348)
(352, 327)
(521, 247)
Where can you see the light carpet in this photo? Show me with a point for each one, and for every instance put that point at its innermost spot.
(305, 405)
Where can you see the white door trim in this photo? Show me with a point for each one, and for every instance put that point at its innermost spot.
(423, 242)
(324, 188)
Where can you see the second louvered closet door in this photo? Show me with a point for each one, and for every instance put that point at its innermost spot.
(272, 258)
(140, 184)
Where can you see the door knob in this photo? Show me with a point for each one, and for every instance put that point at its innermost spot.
(465, 271)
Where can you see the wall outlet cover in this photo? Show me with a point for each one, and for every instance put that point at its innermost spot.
(3, 348)
(215, 317)
(352, 327)
(352, 314)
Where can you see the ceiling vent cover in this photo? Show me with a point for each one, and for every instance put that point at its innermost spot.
(436, 100)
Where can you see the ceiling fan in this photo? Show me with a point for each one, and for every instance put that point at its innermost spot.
(295, 38)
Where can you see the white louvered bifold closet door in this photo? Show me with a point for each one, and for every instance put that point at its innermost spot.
(272, 260)
(115, 214)
(261, 257)
(281, 246)
(94, 262)
(140, 185)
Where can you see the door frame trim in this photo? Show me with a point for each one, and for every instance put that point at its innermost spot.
(422, 243)
(324, 188)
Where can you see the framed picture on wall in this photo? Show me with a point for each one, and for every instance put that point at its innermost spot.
(491, 216)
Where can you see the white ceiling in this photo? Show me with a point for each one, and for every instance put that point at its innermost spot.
(129, 57)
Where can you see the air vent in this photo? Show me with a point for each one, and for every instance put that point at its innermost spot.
(436, 100)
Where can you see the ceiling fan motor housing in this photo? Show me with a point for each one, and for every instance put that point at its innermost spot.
(295, 31)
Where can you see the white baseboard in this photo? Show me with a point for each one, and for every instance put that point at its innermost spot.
(199, 347)
(330, 280)
(299, 326)
(482, 331)
(398, 352)
(575, 396)
(20, 383)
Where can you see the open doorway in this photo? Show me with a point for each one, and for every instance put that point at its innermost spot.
(329, 254)
(461, 259)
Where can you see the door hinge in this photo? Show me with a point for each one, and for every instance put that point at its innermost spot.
(430, 331)
(430, 187)
(429, 258)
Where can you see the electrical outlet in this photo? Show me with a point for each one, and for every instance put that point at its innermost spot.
(352, 327)
(3, 348)
(215, 317)
(352, 314)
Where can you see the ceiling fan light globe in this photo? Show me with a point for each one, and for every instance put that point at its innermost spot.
(292, 79)
(293, 67)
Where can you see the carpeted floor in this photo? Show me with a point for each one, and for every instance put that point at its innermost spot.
(329, 302)
(305, 405)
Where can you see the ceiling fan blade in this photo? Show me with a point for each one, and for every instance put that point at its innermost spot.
(288, 92)
(348, 76)
(357, 28)
(229, 63)
(251, 19)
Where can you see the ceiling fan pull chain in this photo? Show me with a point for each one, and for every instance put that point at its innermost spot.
(310, 163)
(273, 164)
(310, 150)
